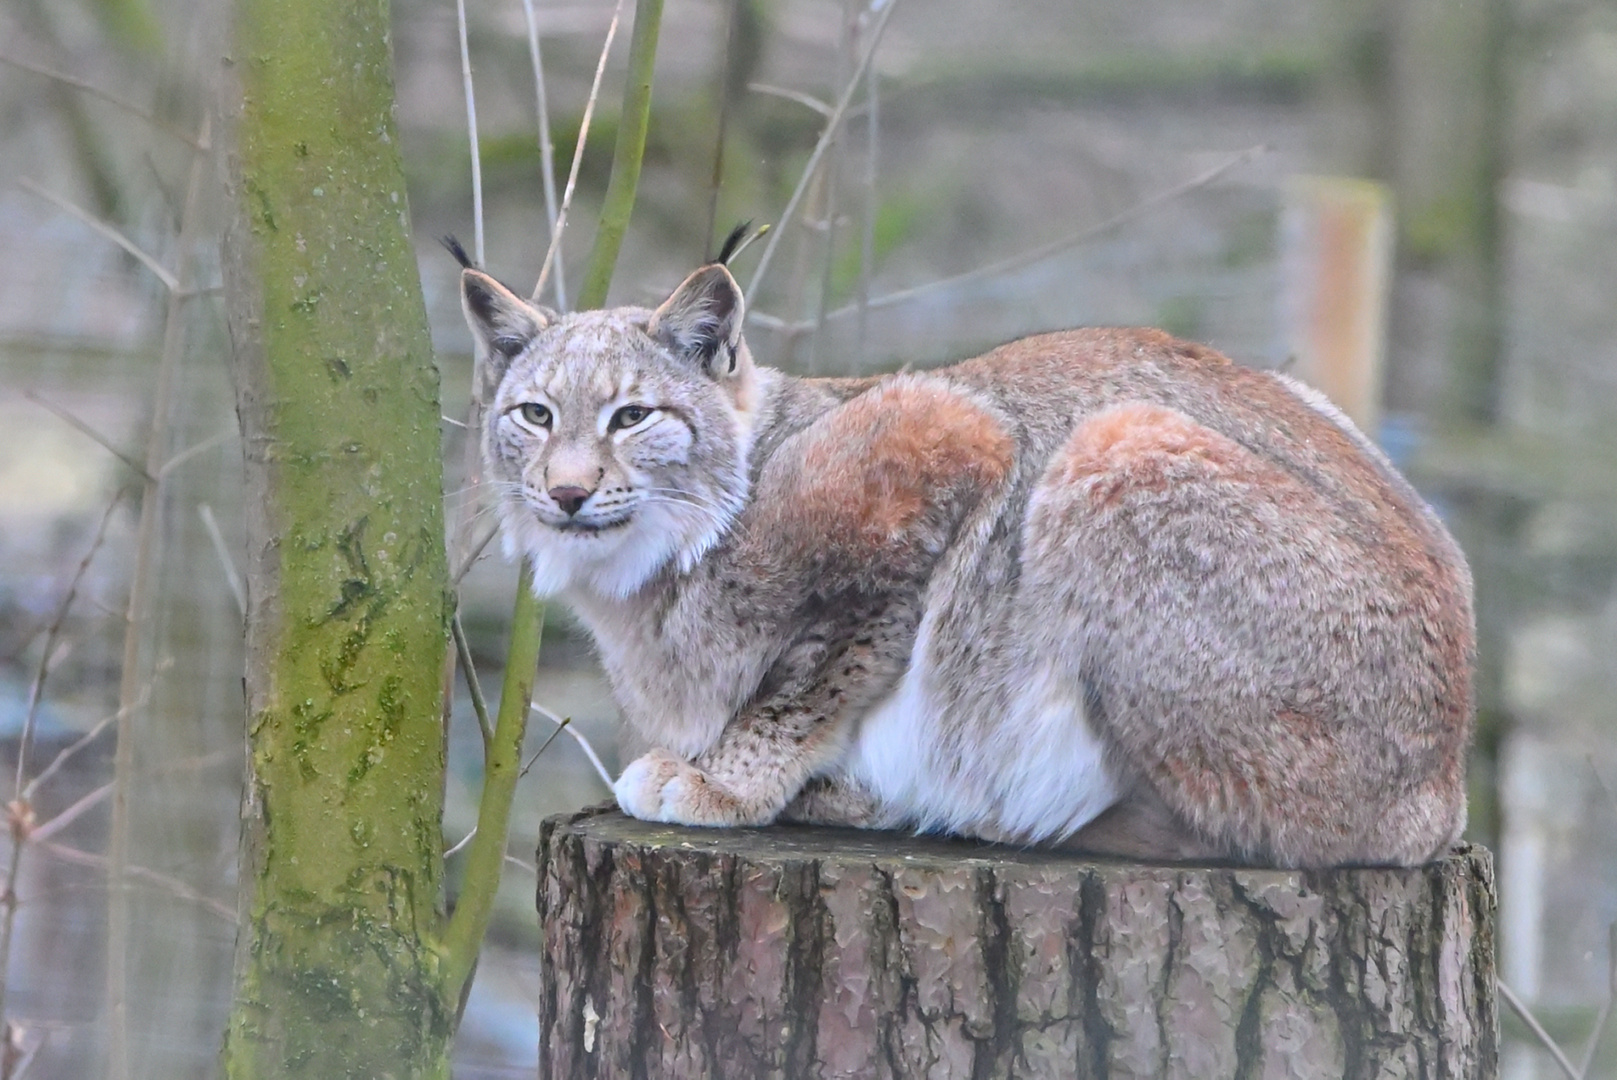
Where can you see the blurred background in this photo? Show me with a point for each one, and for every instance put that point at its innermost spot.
(1410, 202)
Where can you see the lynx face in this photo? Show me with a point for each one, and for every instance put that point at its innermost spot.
(616, 441)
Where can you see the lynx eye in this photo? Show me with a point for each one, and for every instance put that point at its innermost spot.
(628, 417)
(534, 414)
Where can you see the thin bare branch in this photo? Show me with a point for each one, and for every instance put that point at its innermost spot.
(1595, 1036)
(68, 816)
(140, 873)
(808, 101)
(716, 180)
(1025, 258)
(832, 125)
(226, 563)
(471, 133)
(163, 274)
(463, 651)
(20, 1069)
(105, 443)
(532, 870)
(65, 755)
(474, 553)
(196, 763)
(116, 1011)
(547, 149)
(561, 727)
(775, 323)
(869, 208)
(1538, 1031)
(583, 742)
(36, 689)
(192, 451)
(829, 191)
(1599, 1031)
(1039, 254)
(111, 99)
(1600, 782)
(462, 843)
(560, 226)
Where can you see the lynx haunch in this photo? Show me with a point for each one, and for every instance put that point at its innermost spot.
(1101, 588)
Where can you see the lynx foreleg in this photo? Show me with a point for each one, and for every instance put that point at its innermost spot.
(767, 755)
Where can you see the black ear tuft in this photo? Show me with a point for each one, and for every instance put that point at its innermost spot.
(733, 243)
(740, 237)
(457, 251)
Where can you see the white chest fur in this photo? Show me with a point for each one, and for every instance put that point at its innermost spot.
(1035, 771)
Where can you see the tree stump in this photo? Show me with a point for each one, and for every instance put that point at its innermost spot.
(804, 952)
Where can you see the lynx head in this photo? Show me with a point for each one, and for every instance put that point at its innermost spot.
(616, 441)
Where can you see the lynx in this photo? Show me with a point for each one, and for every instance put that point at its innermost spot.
(1099, 588)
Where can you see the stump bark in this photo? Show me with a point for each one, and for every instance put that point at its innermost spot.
(803, 952)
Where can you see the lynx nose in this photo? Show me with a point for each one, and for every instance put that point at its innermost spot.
(569, 498)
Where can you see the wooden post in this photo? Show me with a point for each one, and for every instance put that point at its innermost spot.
(1337, 265)
(798, 952)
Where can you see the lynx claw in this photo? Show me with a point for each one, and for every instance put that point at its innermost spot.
(658, 786)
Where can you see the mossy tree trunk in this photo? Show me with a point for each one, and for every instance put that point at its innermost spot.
(799, 953)
(339, 971)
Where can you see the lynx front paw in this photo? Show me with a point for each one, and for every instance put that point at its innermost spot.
(661, 787)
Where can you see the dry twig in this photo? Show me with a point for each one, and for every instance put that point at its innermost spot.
(162, 272)
(832, 125)
(112, 99)
(1538, 1031)
(94, 435)
(560, 225)
(173, 886)
(36, 689)
(141, 581)
(463, 651)
(547, 149)
(1025, 258)
(565, 723)
(232, 578)
(471, 132)
(1599, 1031)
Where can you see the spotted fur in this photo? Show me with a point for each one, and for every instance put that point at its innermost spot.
(1100, 587)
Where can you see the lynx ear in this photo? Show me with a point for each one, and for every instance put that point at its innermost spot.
(701, 322)
(502, 322)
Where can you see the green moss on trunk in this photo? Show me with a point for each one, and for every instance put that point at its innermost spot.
(338, 969)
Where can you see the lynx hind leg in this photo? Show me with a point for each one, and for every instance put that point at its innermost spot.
(830, 800)
(1258, 670)
(1141, 826)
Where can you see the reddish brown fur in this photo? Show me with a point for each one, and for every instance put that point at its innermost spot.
(873, 469)
(1294, 783)
(1139, 446)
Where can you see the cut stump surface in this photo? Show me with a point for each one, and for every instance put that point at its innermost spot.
(801, 952)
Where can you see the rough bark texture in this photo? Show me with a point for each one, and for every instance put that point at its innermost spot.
(338, 974)
(796, 952)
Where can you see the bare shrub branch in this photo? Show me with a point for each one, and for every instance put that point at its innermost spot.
(832, 125)
(1538, 1031)
(162, 272)
(547, 149)
(111, 99)
(560, 225)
